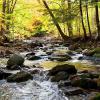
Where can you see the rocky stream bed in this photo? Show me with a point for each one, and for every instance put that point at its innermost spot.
(49, 71)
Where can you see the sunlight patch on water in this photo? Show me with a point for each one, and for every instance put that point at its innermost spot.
(79, 65)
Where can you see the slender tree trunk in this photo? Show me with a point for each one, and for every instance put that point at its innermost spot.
(97, 20)
(3, 17)
(8, 17)
(54, 20)
(69, 24)
(87, 15)
(82, 20)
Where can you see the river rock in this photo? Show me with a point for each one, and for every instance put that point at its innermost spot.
(84, 83)
(72, 91)
(19, 77)
(36, 44)
(97, 55)
(30, 54)
(4, 75)
(60, 76)
(64, 83)
(34, 58)
(15, 60)
(73, 47)
(97, 97)
(59, 58)
(97, 50)
(70, 69)
(88, 52)
(89, 75)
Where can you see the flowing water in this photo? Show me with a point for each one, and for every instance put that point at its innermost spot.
(37, 89)
(40, 88)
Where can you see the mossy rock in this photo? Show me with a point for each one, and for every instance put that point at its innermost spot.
(70, 52)
(97, 97)
(15, 60)
(60, 76)
(97, 50)
(70, 69)
(89, 75)
(85, 83)
(97, 55)
(19, 77)
(74, 46)
(88, 52)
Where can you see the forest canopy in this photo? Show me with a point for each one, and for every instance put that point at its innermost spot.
(65, 18)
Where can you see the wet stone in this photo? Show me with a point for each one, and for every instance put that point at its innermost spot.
(60, 76)
(15, 60)
(34, 58)
(4, 75)
(19, 77)
(64, 83)
(84, 83)
(72, 91)
(69, 69)
(58, 58)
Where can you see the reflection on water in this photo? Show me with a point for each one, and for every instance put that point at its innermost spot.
(84, 65)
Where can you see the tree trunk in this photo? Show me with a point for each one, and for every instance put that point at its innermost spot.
(97, 20)
(82, 20)
(54, 20)
(3, 18)
(87, 15)
(69, 25)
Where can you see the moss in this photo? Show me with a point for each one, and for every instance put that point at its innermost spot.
(97, 55)
(97, 97)
(97, 50)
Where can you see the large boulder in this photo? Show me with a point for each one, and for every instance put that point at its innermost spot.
(70, 69)
(15, 61)
(20, 77)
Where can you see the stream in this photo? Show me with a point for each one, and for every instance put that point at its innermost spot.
(40, 88)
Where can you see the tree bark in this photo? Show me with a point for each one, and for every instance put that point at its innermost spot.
(82, 20)
(97, 19)
(69, 25)
(54, 20)
(87, 15)
(3, 17)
